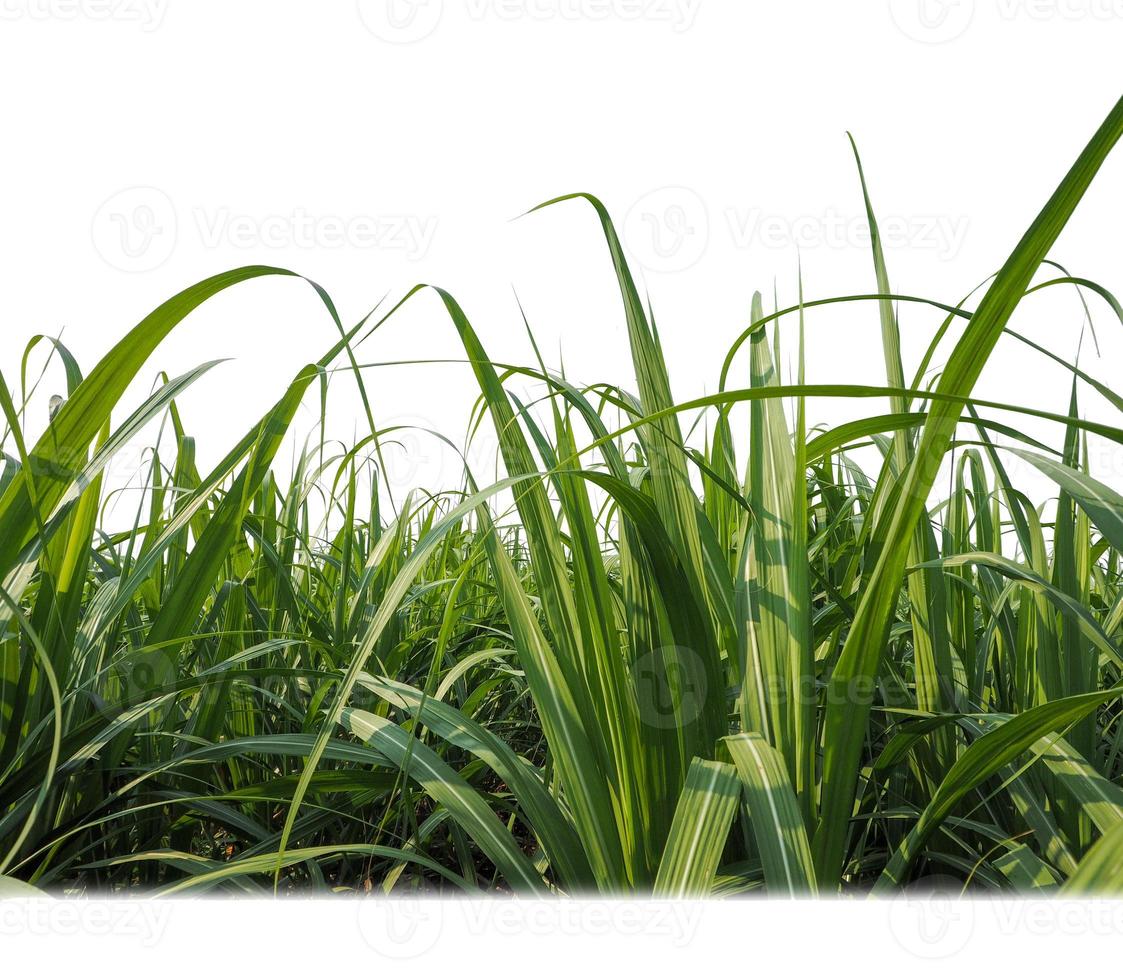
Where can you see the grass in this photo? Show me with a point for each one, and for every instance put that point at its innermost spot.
(643, 662)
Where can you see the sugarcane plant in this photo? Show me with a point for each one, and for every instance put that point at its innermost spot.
(682, 648)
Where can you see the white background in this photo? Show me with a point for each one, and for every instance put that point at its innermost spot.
(150, 143)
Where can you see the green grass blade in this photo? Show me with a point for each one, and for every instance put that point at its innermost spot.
(775, 816)
(851, 681)
(698, 833)
(448, 788)
(986, 756)
(1100, 872)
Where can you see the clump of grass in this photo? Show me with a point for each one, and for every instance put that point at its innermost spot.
(663, 668)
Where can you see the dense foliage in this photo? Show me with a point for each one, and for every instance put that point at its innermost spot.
(642, 662)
